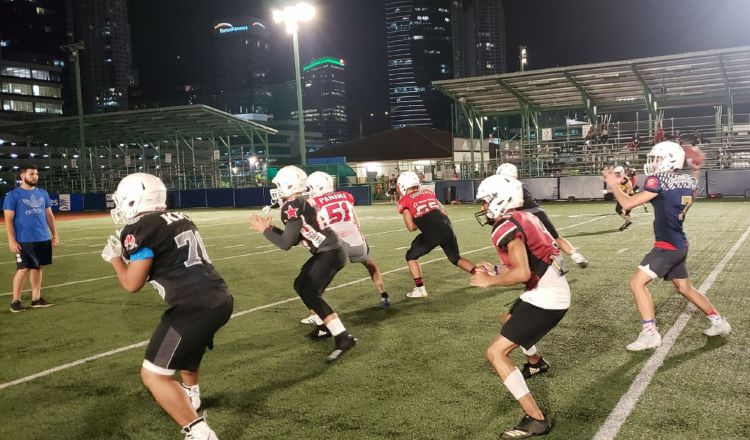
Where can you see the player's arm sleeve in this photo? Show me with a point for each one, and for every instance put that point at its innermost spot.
(286, 238)
(143, 253)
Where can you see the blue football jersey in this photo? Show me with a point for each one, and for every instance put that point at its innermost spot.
(674, 198)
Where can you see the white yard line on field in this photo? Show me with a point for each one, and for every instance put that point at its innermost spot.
(625, 406)
(622, 250)
(237, 314)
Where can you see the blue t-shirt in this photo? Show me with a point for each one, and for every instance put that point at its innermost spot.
(30, 206)
(674, 198)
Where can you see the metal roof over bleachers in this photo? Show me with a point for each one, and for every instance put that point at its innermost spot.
(713, 77)
(189, 121)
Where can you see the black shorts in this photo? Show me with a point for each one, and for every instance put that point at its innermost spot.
(619, 210)
(318, 272)
(662, 263)
(529, 323)
(34, 254)
(424, 244)
(182, 336)
(546, 222)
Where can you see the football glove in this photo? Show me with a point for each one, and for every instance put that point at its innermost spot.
(112, 250)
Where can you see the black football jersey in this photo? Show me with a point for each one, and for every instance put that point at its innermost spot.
(312, 235)
(181, 271)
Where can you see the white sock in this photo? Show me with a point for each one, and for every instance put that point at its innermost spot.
(516, 385)
(317, 320)
(336, 327)
(714, 319)
(531, 351)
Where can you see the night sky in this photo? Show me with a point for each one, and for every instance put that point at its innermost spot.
(557, 32)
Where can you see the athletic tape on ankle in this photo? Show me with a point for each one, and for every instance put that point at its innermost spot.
(516, 385)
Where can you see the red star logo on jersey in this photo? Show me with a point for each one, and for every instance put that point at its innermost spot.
(291, 213)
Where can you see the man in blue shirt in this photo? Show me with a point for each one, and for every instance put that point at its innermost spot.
(671, 195)
(29, 220)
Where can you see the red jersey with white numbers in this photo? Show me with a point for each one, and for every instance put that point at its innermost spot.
(546, 288)
(336, 210)
(425, 209)
(540, 246)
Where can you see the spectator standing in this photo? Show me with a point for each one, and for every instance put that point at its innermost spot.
(29, 221)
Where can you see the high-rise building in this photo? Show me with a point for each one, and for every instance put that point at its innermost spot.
(478, 37)
(420, 50)
(106, 62)
(324, 99)
(32, 32)
(242, 59)
(29, 90)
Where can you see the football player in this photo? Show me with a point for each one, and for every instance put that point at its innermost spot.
(671, 195)
(530, 205)
(301, 225)
(627, 187)
(166, 250)
(336, 209)
(422, 210)
(530, 257)
(633, 176)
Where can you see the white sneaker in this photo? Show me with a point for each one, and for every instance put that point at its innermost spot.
(645, 341)
(418, 292)
(199, 431)
(579, 259)
(194, 394)
(309, 320)
(720, 327)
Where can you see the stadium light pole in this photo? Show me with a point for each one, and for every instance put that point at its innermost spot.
(74, 50)
(291, 16)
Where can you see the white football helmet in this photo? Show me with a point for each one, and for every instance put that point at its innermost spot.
(664, 156)
(289, 180)
(501, 193)
(319, 183)
(407, 179)
(619, 170)
(507, 170)
(136, 194)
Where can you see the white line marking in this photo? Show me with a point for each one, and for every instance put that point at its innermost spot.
(264, 246)
(65, 284)
(244, 312)
(234, 246)
(627, 402)
(400, 248)
(622, 250)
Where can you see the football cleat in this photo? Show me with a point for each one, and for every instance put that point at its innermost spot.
(625, 225)
(385, 303)
(531, 370)
(579, 259)
(529, 427)
(344, 343)
(16, 307)
(645, 341)
(194, 394)
(418, 292)
(320, 332)
(40, 303)
(720, 327)
(309, 320)
(199, 431)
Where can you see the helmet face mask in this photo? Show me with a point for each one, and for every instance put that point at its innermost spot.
(289, 180)
(664, 156)
(406, 180)
(319, 183)
(498, 195)
(136, 194)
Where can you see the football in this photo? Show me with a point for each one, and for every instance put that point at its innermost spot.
(693, 156)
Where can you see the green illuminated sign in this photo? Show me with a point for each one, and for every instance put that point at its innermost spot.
(326, 60)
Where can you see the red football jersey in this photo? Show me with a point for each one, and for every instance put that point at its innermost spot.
(336, 210)
(424, 207)
(540, 246)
